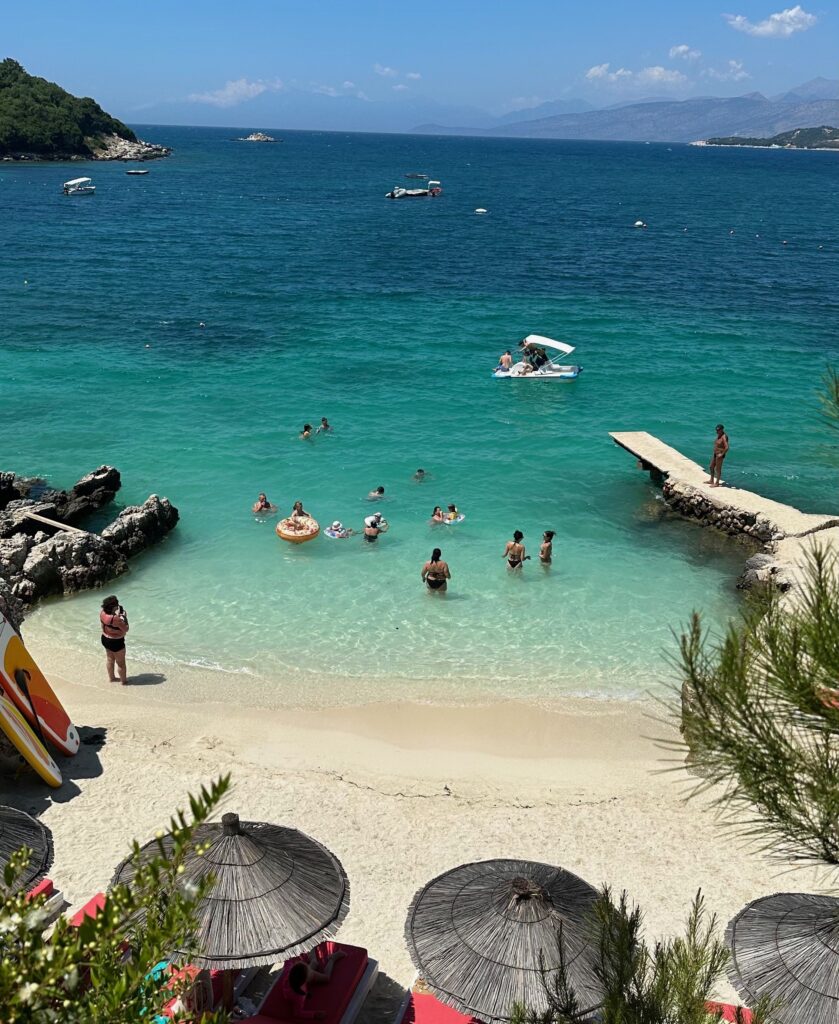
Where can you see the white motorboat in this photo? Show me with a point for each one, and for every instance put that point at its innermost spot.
(137, 170)
(432, 189)
(545, 368)
(79, 187)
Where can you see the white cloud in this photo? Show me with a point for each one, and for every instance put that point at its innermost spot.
(348, 85)
(732, 72)
(780, 25)
(235, 92)
(400, 88)
(414, 75)
(684, 52)
(656, 75)
(384, 71)
(326, 90)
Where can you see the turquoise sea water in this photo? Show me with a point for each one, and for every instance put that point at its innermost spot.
(320, 297)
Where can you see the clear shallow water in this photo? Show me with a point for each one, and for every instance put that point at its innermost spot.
(322, 298)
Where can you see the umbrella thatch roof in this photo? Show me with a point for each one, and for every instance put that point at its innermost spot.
(17, 829)
(476, 935)
(277, 893)
(786, 946)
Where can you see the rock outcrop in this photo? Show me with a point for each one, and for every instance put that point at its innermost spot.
(139, 526)
(37, 560)
(112, 147)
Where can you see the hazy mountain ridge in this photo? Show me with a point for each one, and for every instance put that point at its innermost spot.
(671, 120)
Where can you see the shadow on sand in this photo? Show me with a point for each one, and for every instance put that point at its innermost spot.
(146, 679)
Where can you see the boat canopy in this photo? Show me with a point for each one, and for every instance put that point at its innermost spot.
(538, 339)
(77, 181)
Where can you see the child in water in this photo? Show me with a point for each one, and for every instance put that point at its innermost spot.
(452, 514)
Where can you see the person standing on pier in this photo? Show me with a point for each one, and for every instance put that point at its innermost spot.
(721, 447)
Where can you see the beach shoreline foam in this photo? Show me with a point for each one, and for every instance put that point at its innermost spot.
(400, 792)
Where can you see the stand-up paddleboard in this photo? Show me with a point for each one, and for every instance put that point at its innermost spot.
(25, 684)
(25, 741)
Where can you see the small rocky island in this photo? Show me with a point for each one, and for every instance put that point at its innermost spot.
(41, 121)
(823, 137)
(257, 137)
(43, 551)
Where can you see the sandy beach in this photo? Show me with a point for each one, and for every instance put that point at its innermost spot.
(399, 792)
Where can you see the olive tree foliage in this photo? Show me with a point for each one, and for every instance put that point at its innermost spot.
(762, 716)
(101, 971)
(670, 983)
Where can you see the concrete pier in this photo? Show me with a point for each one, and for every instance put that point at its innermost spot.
(786, 533)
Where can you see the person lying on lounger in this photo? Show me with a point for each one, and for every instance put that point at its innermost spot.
(302, 977)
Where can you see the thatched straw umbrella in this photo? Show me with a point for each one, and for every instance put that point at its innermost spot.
(17, 829)
(786, 946)
(479, 935)
(277, 893)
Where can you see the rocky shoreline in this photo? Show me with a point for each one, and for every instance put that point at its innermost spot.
(106, 147)
(39, 559)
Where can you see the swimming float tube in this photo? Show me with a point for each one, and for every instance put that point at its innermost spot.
(457, 519)
(299, 530)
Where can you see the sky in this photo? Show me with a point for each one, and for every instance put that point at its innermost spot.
(231, 62)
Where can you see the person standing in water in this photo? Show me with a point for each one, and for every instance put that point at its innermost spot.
(376, 495)
(547, 548)
(435, 573)
(515, 553)
(324, 427)
(306, 432)
(721, 447)
(372, 527)
(114, 623)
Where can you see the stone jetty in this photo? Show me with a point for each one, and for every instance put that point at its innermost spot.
(43, 550)
(786, 534)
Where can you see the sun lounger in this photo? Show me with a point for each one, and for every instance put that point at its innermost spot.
(54, 901)
(339, 1000)
(90, 909)
(241, 980)
(424, 1008)
(729, 1012)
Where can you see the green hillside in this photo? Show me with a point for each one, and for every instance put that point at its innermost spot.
(41, 118)
(799, 138)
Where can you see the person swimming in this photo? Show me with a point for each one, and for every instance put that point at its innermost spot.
(546, 550)
(435, 573)
(452, 513)
(437, 515)
(325, 427)
(376, 495)
(339, 531)
(262, 504)
(298, 512)
(514, 552)
(419, 476)
(373, 527)
(306, 432)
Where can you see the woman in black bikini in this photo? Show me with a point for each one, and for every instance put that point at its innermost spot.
(114, 624)
(435, 573)
(514, 552)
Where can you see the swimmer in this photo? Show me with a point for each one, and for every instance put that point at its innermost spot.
(435, 573)
(437, 515)
(262, 504)
(306, 432)
(546, 550)
(373, 527)
(514, 552)
(419, 476)
(376, 495)
(324, 427)
(298, 512)
(452, 513)
(338, 530)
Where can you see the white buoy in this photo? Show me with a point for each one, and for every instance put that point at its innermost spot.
(639, 224)
(480, 209)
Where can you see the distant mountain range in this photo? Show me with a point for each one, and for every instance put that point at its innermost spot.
(809, 105)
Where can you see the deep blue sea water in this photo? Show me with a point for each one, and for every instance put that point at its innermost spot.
(321, 297)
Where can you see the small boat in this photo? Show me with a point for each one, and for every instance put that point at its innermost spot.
(298, 529)
(550, 370)
(137, 170)
(415, 174)
(432, 189)
(79, 187)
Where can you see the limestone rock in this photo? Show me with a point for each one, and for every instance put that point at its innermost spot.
(13, 552)
(69, 562)
(112, 147)
(139, 526)
(11, 607)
